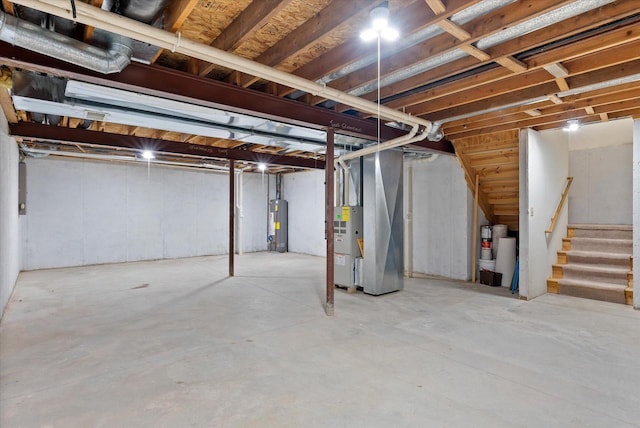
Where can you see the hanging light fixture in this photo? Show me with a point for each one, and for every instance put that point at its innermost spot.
(380, 27)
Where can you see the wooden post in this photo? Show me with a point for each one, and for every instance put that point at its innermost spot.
(232, 207)
(474, 250)
(328, 219)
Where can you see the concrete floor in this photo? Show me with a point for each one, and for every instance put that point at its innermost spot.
(176, 344)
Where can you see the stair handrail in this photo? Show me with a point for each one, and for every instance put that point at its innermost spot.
(554, 219)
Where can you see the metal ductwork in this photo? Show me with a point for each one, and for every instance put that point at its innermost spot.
(141, 10)
(35, 38)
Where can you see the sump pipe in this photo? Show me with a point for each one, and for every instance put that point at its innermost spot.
(93, 16)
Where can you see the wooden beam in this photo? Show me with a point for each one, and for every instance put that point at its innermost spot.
(609, 99)
(176, 13)
(555, 99)
(562, 84)
(454, 29)
(491, 83)
(310, 32)
(245, 25)
(566, 28)
(483, 26)
(7, 106)
(88, 29)
(436, 6)
(533, 112)
(510, 63)
(589, 110)
(8, 7)
(414, 17)
(604, 117)
(475, 52)
(556, 70)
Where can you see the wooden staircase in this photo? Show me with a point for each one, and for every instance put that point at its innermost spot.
(595, 262)
(494, 159)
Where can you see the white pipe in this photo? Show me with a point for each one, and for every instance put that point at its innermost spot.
(411, 137)
(98, 18)
(122, 158)
(409, 223)
(78, 155)
(346, 177)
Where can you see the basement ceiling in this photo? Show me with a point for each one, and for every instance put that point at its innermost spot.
(474, 68)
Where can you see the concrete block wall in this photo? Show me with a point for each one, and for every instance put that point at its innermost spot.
(442, 219)
(87, 212)
(9, 219)
(305, 193)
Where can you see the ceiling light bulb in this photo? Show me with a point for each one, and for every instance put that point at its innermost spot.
(571, 126)
(262, 167)
(390, 34)
(379, 18)
(379, 24)
(368, 35)
(148, 154)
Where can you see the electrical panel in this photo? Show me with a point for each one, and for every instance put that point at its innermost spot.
(347, 230)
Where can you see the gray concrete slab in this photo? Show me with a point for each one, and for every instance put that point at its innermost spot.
(175, 343)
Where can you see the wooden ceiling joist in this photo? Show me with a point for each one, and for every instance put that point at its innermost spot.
(251, 19)
(313, 29)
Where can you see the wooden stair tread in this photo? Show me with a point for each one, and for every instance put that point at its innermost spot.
(591, 284)
(625, 227)
(594, 268)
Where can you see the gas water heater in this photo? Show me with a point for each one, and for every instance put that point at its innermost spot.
(277, 236)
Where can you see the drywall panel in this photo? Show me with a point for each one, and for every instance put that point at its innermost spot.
(601, 192)
(440, 215)
(546, 171)
(87, 212)
(305, 193)
(601, 134)
(636, 213)
(9, 224)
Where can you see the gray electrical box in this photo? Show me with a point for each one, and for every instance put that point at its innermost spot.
(347, 229)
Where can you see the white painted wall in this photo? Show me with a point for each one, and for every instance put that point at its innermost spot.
(256, 207)
(544, 167)
(305, 193)
(636, 213)
(9, 224)
(87, 212)
(601, 134)
(600, 161)
(442, 218)
(601, 192)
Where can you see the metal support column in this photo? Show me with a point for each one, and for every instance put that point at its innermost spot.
(232, 206)
(328, 218)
